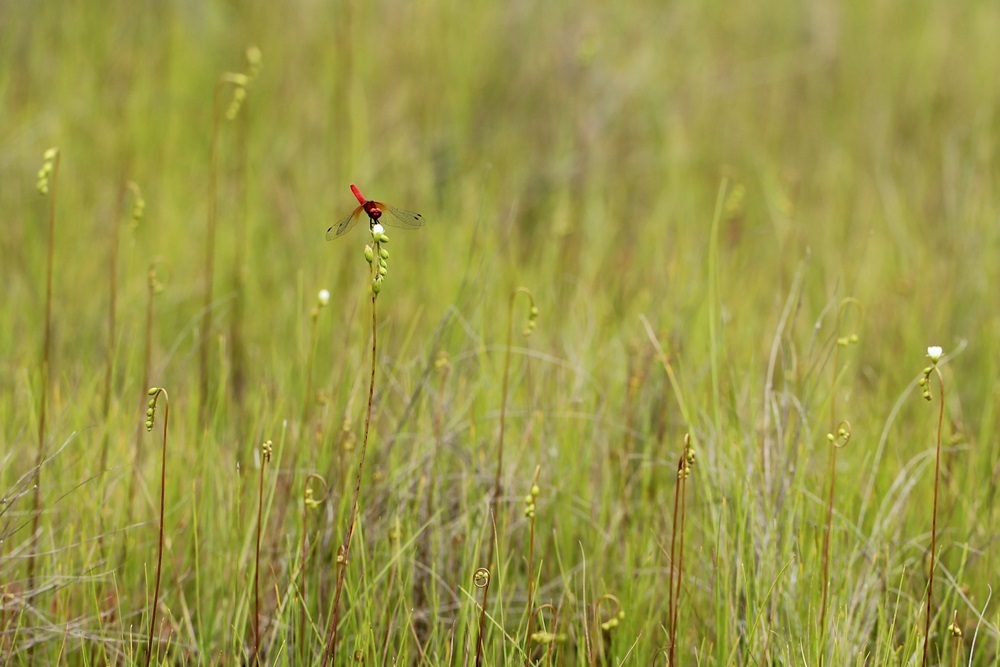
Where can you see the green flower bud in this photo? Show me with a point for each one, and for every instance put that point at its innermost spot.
(253, 56)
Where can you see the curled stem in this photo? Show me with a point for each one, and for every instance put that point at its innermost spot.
(265, 458)
(838, 439)
(550, 637)
(481, 578)
(841, 341)
(153, 286)
(612, 621)
(155, 394)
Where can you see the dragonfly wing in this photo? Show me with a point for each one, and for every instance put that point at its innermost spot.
(397, 217)
(345, 224)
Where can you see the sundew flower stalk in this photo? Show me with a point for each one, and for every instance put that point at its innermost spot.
(934, 353)
(153, 287)
(239, 82)
(154, 394)
(684, 465)
(529, 327)
(47, 182)
(377, 257)
(322, 299)
(481, 578)
(838, 438)
(265, 458)
(138, 208)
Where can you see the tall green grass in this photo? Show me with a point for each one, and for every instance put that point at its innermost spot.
(688, 190)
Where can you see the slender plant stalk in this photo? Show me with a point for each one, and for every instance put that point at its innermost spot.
(308, 502)
(237, 353)
(826, 541)
(673, 561)
(606, 625)
(937, 476)
(330, 650)
(837, 441)
(833, 481)
(497, 482)
(530, 511)
(634, 377)
(155, 393)
(237, 348)
(152, 286)
(283, 491)
(52, 158)
(551, 640)
(684, 464)
(956, 633)
(394, 537)
(206, 321)
(680, 555)
(307, 394)
(239, 83)
(265, 458)
(421, 625)
(482, 580)
(109, 369)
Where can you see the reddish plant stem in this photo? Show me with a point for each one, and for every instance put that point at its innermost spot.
(330, 650)
(937, 475)
(46, 348)
(159, 551)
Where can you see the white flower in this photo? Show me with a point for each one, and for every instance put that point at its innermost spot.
(377, 230)
(934, 352)
(324, 297)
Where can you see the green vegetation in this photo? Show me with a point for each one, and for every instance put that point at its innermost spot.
(740, 226)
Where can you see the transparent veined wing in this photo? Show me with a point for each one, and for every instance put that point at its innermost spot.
(397, 217)
(344, 225)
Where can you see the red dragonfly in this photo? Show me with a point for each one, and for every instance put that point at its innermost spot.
(375, 209)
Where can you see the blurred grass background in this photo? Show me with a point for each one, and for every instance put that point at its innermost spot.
(578, 149)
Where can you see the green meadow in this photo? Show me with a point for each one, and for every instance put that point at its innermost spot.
(651, 385)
